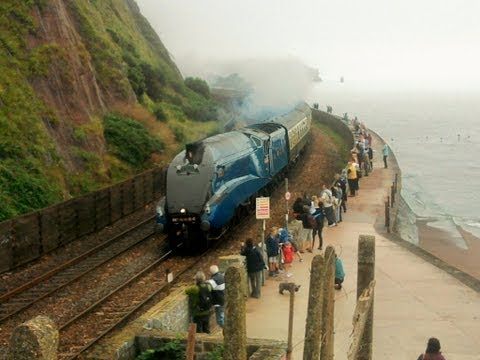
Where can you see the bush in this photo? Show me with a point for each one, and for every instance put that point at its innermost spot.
(199, 86)
(26, 186)
(159, 114)
(130, 140)
(154, 81)
(173, 350)
(201, 111)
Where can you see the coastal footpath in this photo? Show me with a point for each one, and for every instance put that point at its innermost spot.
(414, 298)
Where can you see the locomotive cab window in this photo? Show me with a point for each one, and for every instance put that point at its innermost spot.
(256, 141)
(220, 171)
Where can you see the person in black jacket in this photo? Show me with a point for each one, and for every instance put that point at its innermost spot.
(255, 266)
(217, 280)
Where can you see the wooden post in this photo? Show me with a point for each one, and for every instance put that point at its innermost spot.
(235, 330)
(365, 274)
(360, 316)
(191, 341)
(313, 326)
(387, 216)
(396, 182)
(328, 306)
(392, 193)
(290, 322)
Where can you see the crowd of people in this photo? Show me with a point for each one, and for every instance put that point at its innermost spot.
(312, 214)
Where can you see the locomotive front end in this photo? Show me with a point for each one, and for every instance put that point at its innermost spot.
(188, 187)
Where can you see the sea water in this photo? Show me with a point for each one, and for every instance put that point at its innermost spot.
(436, 139)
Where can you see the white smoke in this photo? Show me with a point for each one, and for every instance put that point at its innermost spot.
(278, 84)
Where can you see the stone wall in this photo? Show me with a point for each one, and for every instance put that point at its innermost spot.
(257, 349)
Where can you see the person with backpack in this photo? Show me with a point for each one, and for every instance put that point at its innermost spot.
(255, 266)
(217, 280)
(200, 301)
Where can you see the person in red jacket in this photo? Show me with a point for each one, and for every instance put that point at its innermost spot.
(288, 251)
(433, 351)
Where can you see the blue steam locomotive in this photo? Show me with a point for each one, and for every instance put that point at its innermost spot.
(214, 182)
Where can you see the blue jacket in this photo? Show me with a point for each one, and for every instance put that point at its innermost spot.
(339, 273)
(272, 246)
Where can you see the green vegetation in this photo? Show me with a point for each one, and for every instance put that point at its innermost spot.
(175, 349)
(49, 151)
(199, 86)
(28, 159)
(130, 140)
(341, 156)
(172, 350)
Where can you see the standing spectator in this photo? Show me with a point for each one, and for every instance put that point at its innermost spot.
(217, 280)
(297, 207)
(433, 351)
(327, 200)
(342, 179)
(288, 251)
(283, 237)
(385, 151)
(339, 196)
(370, 157)
(255, 266)
(339, 273)
(366, 162)
(273, 250)
(319, 217)
(308, 223)
(352, 177)
(200, 302)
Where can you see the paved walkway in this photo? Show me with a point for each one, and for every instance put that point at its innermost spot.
(414, 299)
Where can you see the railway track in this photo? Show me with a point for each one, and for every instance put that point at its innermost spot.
(30, 293)
(119, 306)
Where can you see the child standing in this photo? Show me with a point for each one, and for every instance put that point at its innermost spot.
(287, 257)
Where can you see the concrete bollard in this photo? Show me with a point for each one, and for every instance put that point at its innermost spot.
(313, 326)
(235, 330)
(326, 350)
(36, 339)
(365, 274)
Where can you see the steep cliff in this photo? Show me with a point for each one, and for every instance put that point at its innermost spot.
(88, 95)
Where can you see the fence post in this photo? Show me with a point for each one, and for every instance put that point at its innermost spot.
(387, 216)
(313, 326)
(392, 193)
(326, 350)
(360, 316)
(366, 273)
(235, 330)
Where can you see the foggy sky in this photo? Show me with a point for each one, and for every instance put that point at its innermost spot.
(398, 43)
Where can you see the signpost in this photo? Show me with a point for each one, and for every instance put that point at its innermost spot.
(287, 197)
(262, 212)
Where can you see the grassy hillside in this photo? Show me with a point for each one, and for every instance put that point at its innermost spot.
(88, 96)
